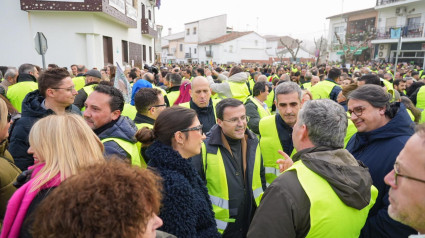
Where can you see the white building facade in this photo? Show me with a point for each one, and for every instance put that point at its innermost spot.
(94, 33)
(409, 16)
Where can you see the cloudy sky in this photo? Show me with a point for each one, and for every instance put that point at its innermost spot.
(303, 19)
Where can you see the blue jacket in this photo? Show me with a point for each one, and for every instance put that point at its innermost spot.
(124, 129)
(32, 111)
(186, 207)
(378, 150)
(141, 83)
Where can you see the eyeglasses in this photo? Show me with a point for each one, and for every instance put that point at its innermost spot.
(161, 105)
(70, 89)
(196, 128)
(397, 173)
(236, 120)
(9, 117)
(358, 111)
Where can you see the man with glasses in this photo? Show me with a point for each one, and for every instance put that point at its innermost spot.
(55, 95)
(231, 165)
(407, 182)
(103, 115)
(383, 130)
(149, 103)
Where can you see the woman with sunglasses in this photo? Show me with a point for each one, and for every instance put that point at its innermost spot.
(8, 169)
(186, 207)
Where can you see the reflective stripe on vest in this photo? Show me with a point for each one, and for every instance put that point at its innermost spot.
(329, 216)
(215, 174)
(17, 93)
(261, 111)
(270, 144)
(172, 97)
(323, 89)
(130, 148)
(239, 90)
(420, 98)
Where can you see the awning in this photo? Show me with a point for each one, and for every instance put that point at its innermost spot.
(358, 52)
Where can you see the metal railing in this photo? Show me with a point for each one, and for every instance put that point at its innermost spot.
(188, 55)
(408, 31)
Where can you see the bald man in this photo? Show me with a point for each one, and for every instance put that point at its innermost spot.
(202, 103)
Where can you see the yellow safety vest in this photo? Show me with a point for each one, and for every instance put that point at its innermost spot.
(329, 216)
(420, 98)
(172, 97)
(351, 130)
(215, 174)
(129, 111)
(307, 86)
(139, 145)
(79, 82)
(270, 144)
(17, 93)
(164, 93)
(261, 111)
(390, 89)
(88, 89)
(239, 90)
(270, 100)
(323, 89)
(214, 101)
(422, 117)
(130, 148)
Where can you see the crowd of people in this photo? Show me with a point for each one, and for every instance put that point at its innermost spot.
(244, 150)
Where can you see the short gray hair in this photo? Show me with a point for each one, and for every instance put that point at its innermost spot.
(288, 87)
(326, 122)
(11, 72)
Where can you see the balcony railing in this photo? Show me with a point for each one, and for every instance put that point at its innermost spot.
(188, 55)
(170, 54)
(147, 29)
(409, 31)
(209, 53)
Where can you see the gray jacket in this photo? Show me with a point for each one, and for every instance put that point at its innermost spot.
(223, 88)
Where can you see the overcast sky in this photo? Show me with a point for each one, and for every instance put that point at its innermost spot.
(303, 19)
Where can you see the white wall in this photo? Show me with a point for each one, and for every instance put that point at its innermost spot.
(212, 28)
(73, 37)
(335, 22)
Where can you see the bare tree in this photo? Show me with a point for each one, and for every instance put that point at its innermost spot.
(363, 41)
(295, 44)
(320, 49)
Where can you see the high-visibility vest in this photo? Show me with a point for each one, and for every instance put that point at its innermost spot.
(270, 100)
(239, 90)
(323, 89)
(88, 89)
(172, 97)
(270, 144)
(351, 130)
(139, 144)
(79, 82)
(307, 86)
(261, 111)
(420, 98)
(130, 148)
(129, 111)
(215, 174)
(164, 93)
(329, 216)
(422, 117)
(17, 93)
(390, 88)
(214, 101)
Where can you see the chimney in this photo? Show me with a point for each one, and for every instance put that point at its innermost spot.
(169, 31)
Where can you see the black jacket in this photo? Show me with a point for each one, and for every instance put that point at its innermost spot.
(186, 207)
(32, 111)
(285, 207)
(241, 200)
(206, 115)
